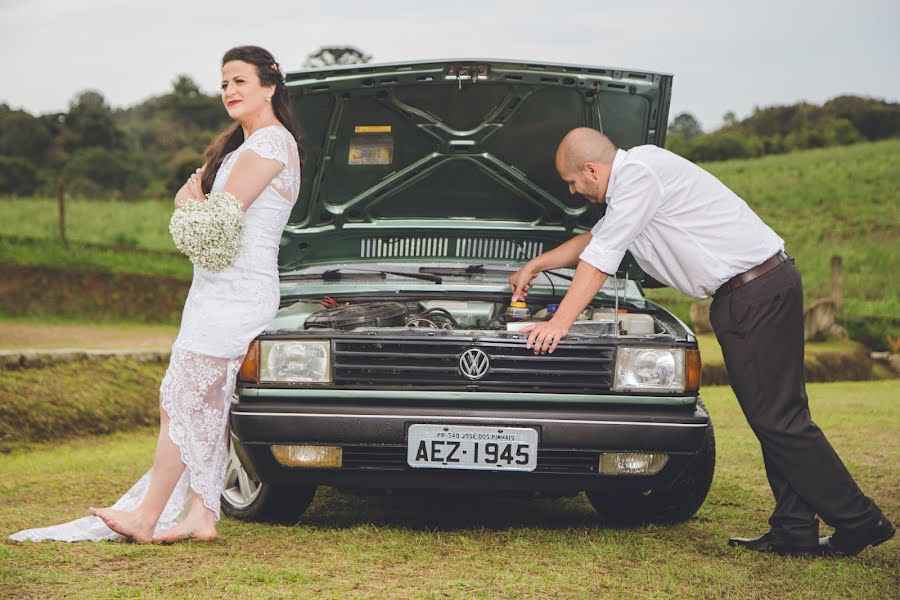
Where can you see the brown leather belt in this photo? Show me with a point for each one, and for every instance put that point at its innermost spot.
(751, 274)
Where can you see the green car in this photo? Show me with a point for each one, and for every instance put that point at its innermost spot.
(396, 361)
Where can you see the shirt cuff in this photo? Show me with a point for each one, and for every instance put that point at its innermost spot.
(604, 260)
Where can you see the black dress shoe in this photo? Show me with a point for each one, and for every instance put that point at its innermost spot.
(851, 543)
(769, 543)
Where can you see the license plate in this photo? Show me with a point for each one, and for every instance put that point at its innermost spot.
(472, 447)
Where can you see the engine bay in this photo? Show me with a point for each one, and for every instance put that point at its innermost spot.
(449, 316)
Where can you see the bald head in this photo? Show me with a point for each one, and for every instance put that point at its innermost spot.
(582, 145)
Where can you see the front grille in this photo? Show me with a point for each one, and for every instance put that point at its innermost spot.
(393, 458)
(434, 363)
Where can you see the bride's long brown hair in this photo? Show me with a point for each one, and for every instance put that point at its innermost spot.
(269, 74)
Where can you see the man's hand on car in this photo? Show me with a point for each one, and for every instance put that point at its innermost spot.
(520, 281)
(544, 337)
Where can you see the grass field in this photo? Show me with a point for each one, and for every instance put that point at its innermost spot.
(142, 223)
(83, 256)
(390, 547)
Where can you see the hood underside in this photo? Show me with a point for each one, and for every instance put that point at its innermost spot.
(453, 159)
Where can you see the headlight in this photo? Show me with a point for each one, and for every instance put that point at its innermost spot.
(650, 369)
(307, 362)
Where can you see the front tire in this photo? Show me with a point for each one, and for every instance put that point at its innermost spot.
(249, 500)
(673, 505)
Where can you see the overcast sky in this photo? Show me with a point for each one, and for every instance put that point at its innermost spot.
(725, 55)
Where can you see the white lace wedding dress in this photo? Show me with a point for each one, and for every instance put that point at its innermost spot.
(224, 311)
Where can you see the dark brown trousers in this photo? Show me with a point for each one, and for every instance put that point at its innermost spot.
(760, 328)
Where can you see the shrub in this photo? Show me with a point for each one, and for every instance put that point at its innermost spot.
(17, 176)
(677, 143)
(110, 173)
(808, 137)
(841, 132)
(722, 146)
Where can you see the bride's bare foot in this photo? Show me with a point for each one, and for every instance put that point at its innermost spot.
(130, 524)
(197, 528)
(199, 525)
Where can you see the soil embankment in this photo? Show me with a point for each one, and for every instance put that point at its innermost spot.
(37, 291)
(80, 397)
(820, 367)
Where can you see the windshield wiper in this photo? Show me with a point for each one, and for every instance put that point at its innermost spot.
(467, 271)
(338, 274)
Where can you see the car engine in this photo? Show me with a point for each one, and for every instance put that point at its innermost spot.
(455, 315)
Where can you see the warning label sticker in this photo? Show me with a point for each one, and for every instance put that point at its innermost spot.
(371, 147)
(372, 129)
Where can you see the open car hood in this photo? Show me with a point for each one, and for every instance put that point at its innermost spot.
(453, 160)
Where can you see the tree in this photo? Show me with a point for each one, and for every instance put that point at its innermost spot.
(679, 144)
(17, 176)
(841, 132)
(101, 172)
(23, 135)
(874, 119)
(685, 125)
(192, 108)
(90, 120)
(328, 56)
(729, 119)
(185, 87)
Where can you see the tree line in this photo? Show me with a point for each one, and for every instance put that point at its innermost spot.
(778, 129)
(97, 151)
(148, 150)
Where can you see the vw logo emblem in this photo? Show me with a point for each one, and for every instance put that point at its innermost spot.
(474, 363)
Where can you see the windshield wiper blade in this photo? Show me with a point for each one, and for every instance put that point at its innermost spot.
(333, 275)
(467, 271)
(352, 273)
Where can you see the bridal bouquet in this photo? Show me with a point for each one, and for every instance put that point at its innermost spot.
(209, 231)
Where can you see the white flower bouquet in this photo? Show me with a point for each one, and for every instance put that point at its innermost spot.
(210, 232)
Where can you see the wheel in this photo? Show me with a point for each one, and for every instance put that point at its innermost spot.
(249, 500)
(672, 505)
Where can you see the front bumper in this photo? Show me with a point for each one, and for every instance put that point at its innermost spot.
(372, 430)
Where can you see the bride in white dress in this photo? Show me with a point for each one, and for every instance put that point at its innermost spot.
(258, 160)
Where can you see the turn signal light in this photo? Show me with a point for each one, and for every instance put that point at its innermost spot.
(311, 457)
(249, 372)
(692, 370)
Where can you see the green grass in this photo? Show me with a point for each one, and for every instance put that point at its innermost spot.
(79, 256)
(142, 223)
(392, 547)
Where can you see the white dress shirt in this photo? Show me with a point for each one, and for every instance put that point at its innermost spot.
(684, 227)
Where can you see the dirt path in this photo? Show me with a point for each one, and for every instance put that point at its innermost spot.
(21, 334)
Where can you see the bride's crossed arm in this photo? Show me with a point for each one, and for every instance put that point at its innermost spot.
(191, 190)
(248, 178)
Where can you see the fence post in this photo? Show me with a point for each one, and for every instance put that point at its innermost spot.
(61, 203)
